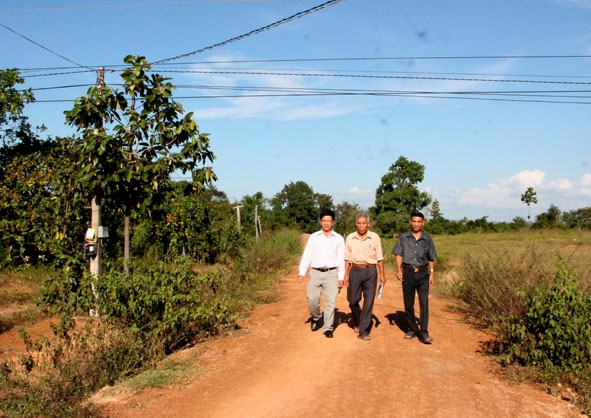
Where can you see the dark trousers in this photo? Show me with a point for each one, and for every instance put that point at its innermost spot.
(362, 281)
(416, 283)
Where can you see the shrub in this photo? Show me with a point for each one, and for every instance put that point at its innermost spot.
(159, 308)
(554, 332)
(539, 314)
(490, 283)
(169, 303)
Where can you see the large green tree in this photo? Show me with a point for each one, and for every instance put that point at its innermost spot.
(14, 125)
(32, 171)
(345, 217)
(398, 195)
(296, 205)
(133, 140)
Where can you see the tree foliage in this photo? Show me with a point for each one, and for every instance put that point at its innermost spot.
(397, 195)
(13, 124)
(528, 198)
(296, 205)
(132, 141)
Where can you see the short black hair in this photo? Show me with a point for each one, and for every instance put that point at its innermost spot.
(326, 212)
(416, 214)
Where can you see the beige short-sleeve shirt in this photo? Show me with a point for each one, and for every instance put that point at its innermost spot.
(366, 250)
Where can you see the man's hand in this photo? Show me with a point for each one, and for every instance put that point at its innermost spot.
(400, 275)
(341, 283)
(300, 278)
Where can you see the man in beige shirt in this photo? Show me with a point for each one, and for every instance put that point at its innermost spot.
(364, 265)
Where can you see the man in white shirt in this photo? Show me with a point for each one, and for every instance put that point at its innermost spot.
(325, 254)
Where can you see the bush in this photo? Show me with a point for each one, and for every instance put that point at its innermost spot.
(158, 309)
(554, 332)
(539, 315)
(490, 284)
(169, 303)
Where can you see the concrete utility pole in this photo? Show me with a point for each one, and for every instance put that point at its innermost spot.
(95, 220)
(257, 223)
(238, 213)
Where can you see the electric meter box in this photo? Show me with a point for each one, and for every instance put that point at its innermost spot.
(103, 232)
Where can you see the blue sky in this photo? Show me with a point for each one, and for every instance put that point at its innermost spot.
(491, 97)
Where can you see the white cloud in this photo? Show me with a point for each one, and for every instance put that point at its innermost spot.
(363, 197)
(501, 198)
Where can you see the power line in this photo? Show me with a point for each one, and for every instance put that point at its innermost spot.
(41, 46)
(539, 96)
(266, 73)
(140, 5)
(254, 32)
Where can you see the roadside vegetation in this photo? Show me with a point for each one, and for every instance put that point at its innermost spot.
(532, 291)
(144, 317)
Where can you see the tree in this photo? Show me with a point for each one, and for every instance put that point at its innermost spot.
(579, 218)
(435, 210)
(549, 219)
(13, 124)
(397, 195)
(297, 205)
(345, 217)
(31, 170)
(132, 141)
(255, 205)
(528, 198)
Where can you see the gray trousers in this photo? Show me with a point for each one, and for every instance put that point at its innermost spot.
(362, 282)
(317, 281)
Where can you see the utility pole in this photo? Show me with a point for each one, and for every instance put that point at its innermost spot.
(238, 213)
(256, 222)
(95, 220)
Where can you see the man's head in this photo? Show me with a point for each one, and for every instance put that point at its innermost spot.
(417, 221)
(362, 223)
(326, 218)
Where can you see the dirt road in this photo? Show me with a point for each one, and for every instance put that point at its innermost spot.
(276, 367)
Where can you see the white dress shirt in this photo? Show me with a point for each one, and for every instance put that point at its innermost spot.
(324, 252)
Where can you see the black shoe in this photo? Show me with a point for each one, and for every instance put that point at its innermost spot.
(410, 335)
(315, 325)
(328, 334)
(426, 339)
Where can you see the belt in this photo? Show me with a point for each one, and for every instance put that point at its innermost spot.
(324, 269)
(362, 266)
(416, 269)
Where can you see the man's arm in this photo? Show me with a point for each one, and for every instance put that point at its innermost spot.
(305, 261)
(347, 270)
(399, 272)
(381, 271)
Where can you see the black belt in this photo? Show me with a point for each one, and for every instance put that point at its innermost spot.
(416, 269)
(324, 269)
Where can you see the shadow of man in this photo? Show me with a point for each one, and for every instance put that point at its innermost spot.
(398, 319)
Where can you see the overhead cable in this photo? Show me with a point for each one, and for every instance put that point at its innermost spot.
(253, 32)
(41, 46)
(141, 5)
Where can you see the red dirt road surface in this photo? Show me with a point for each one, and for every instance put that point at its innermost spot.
(276, 367)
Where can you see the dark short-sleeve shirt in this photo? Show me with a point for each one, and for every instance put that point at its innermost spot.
(415, 252)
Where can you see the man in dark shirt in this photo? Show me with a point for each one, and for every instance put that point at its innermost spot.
(415, 259)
